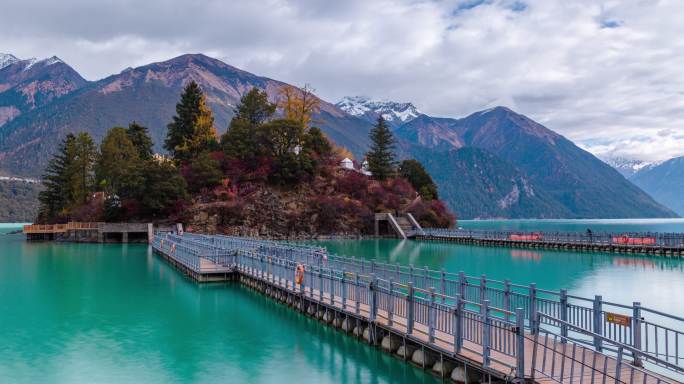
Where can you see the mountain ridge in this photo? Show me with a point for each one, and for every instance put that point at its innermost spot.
(516, 166)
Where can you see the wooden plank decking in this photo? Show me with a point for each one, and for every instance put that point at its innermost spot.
(555, 361)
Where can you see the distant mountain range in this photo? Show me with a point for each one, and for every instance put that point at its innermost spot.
(665, 182)
(493, 163)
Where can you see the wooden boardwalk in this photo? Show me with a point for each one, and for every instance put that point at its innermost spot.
(468, 332)
(555, 362)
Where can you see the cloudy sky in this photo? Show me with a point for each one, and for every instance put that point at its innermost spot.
(607, 74)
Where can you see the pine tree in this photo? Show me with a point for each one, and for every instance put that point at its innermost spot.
(381, 161)
(83, 177)
(192, 129)
(254, 107)
(163, 187)
(141, 140)
(415, 173)
(241, 139)
(55, 198)
(118, 168)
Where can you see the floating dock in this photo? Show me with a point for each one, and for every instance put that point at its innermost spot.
(469, 329)
(660, 244)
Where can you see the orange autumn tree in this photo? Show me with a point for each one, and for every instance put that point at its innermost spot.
(298, 104)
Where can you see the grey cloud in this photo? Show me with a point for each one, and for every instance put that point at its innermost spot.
(593, 72)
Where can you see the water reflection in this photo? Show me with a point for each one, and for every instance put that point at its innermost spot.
(525, 254)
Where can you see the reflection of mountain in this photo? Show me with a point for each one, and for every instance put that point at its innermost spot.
(525, 254)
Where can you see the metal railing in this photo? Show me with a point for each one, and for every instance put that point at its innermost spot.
(636, 239)
(433, 297)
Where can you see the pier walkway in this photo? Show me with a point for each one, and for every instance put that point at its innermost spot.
(664, 244)
(447, 321)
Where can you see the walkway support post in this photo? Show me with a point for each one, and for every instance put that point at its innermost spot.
(390, 302)
(507, 298)
(483, 288)
(431, 316)
(533, 308)
(636, 331)
(409, 309)
(458, 323)
(520, 335)
(344, 290)
(372, 292)
(598, 321)
(564, 315)
(462, 285)
(486, 333)
(332, 287)
(443, 285)
(357, 293)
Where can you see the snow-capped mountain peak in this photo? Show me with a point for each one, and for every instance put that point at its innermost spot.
(7, 59)
(393, 112)
(629, 167)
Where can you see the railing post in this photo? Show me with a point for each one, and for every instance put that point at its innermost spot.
(598, 321)
(332, 287)
(390, 302)
(636, 331)
(344, 290)
(411, 278)
(357, 293)
(462, 285)
(426, 277)
(520, 333)
(409, 309)
(320, 284)
(486, 332)
(372, 297)
(443, 287)
(533, 308)
(431, 316)
(301, 285)
(483, 288)
(564, 315)
(507, 298)
(618, 365)
(458, 323)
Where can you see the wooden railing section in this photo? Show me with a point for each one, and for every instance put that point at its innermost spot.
(60, 228)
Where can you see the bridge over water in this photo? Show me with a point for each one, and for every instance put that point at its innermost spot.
(445, 321)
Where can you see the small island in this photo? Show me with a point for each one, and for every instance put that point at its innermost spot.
(273, 174)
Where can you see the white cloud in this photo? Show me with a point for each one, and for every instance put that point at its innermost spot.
(607, 74)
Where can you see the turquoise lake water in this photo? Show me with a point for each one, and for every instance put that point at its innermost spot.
(92, 313)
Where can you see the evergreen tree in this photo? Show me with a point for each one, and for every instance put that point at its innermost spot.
(118, 169)
(255, 108)
(381, 161)
(316, 142)
(68, 178)
(141, 140)
(54, 199)
(82, 169)
(241, 140)
(192, 129)
(415, 173)
(163, 188)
